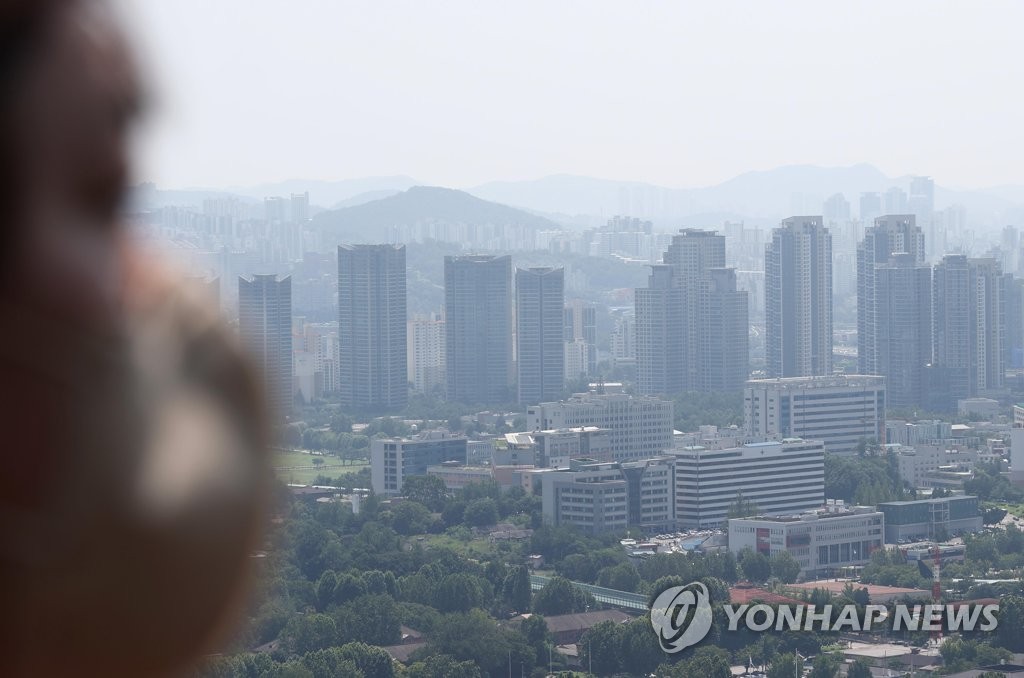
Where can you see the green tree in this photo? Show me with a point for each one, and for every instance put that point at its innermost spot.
(372, 619)
(481, 512)
(427, 490)
(825, 666)
(374, 662)
(515, 589)
(410, 517)
(755, 566)
(783, 666)
(622, 577)
(600, 648)
(859, 669)
(309, 632)
(443, 666)
(784, 567)
(341, 423)
(471, 636)
(706, 662)
(741, 507)
(1011, 621)
(559, 596)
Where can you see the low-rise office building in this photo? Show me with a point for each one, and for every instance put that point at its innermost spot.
(639, 427)
(608, 496)
(554, 448)
(392, 460)
(935, 519)
(823, 542)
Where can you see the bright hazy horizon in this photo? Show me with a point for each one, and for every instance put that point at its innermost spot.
(680, 95)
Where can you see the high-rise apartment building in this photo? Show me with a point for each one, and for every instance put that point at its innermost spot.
(894, 308)
(842, 410)
(372, 326)
(892, 234)
(870, 207)
(478, 328)
(265, 328)
(540, 334)
(659, 332)
(425, 359)
(581, 326)
(902, 329)
(969, 317)
(798, 299)
(687, 319)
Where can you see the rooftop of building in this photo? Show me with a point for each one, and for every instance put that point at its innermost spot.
(911, 502)
(827, 381)
(426, 436)
(824, 513)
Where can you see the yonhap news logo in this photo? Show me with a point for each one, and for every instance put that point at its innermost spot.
(682, 617)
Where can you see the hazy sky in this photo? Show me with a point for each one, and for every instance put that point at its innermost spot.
(681, 94)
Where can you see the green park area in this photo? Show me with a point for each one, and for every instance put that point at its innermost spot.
(302, 467)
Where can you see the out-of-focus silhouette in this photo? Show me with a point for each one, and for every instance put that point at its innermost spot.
(132, 442)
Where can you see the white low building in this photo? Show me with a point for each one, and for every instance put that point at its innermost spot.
(824, 542)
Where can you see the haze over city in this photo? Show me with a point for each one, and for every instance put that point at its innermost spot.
(539, 339)
(680, 95)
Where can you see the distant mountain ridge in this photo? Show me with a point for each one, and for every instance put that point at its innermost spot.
(757, 195)
(375, 221)
(760, 197)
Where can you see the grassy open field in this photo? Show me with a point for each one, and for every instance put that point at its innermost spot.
(298, 467)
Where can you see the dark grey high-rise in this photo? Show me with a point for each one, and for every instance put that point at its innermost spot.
(969, 314)
(798, 299)
(372, 326)
(478, 328)
(540, 334)
(265, 328)
(902, 329)
(688, 320)
(891, 234)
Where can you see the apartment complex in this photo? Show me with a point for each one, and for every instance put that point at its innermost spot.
(392, 460)
(841, 411)
(823, 541)
(639, 426)
(781, 478)
(691, 320)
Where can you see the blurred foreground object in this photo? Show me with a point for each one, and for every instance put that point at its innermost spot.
(133, 446)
